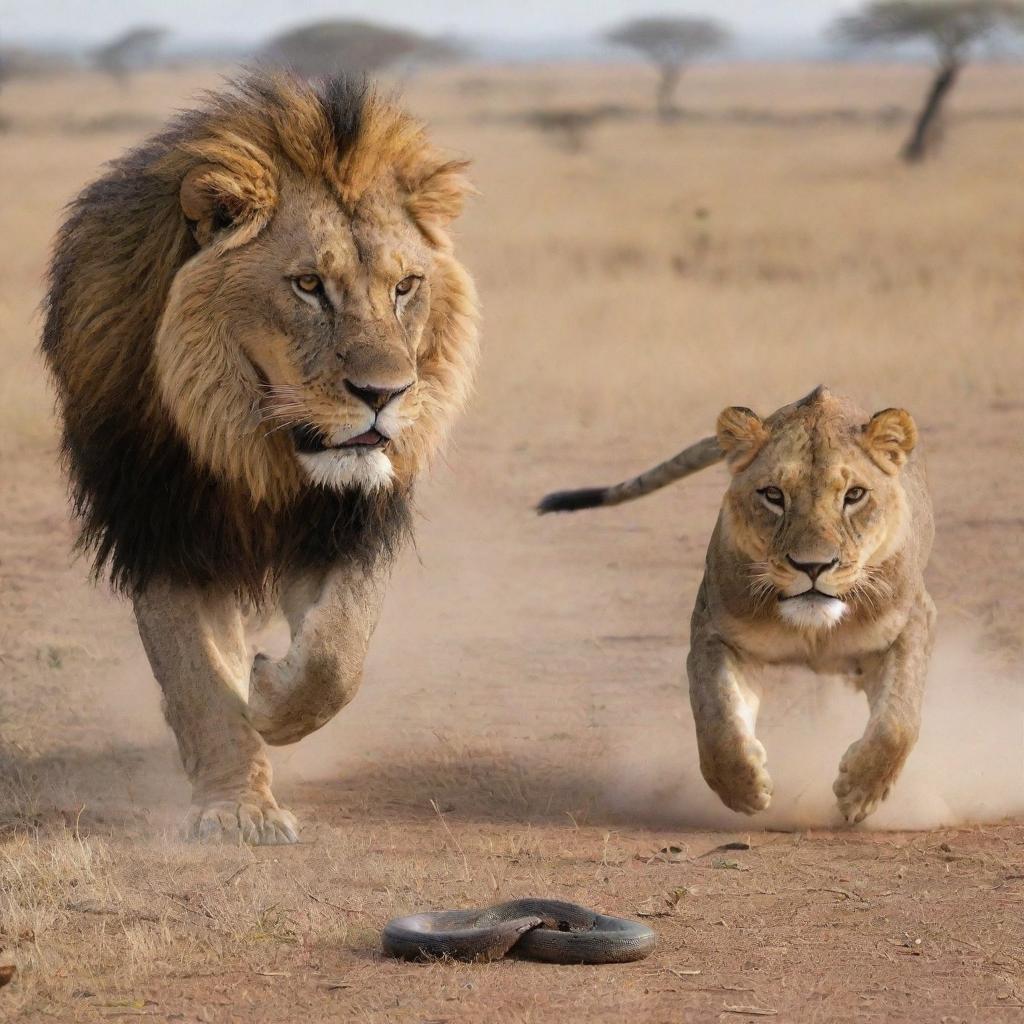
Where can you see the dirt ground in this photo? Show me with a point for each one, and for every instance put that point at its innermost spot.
(523, 729)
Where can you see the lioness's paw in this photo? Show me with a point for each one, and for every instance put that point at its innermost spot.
(865, 779)
(249, 820)
(856, 802)
(739, 777)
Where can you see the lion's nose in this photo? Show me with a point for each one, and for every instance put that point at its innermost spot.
(375, 397)
(813, 569)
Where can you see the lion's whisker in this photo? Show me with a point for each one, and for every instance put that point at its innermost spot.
(282, 426)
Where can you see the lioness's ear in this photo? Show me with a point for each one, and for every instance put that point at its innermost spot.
(889, 437)
(437, 197)
(212, 199)
(741, 435)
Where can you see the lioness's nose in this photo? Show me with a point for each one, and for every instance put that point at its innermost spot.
(813, 569)
(376, 398)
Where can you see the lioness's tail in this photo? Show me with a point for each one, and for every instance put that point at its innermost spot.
(690, 460)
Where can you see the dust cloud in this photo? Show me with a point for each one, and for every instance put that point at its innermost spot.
(967, 766)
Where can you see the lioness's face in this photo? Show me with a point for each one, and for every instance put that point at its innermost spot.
(816, 507)
(335, 311)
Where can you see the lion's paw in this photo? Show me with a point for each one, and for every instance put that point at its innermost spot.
(739, 777)
(250, 819)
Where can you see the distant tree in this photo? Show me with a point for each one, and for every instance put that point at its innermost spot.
(5, 74)
(951, 27)
(670, 43)
(328, 47)
(432, 51)
(438, 50)
(132, 51)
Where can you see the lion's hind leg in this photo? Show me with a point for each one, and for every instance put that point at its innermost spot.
(196, 647)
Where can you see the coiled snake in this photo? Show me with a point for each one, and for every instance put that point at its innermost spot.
(549, 930)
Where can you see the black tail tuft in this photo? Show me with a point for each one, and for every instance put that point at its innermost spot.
(572, 501)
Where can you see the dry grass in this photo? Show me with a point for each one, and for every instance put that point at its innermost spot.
(680, 245)
(632, 289)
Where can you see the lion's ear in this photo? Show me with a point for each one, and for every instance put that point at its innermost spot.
(741, 433)
(437, 197)
(213, 199)
(889, 437)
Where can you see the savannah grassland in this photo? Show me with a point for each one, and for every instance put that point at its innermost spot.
(523, 726)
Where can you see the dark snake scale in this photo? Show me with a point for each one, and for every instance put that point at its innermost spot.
(535, 929)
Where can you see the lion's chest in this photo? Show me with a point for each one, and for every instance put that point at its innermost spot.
(840, 650)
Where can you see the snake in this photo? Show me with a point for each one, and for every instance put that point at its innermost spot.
(536, 929)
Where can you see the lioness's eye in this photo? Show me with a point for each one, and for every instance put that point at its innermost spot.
(308, 283)
(773, 496)
(854, 494)
(406, 285)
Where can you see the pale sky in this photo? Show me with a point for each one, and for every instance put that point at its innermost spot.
(247, 20)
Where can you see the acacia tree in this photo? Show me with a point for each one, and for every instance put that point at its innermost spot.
(670, 44)
(952, 27)
(328, 47)
(131, 51)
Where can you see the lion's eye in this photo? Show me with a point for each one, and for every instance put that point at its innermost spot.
(854, 495)
(406, 286)
(308, 283)
(773, 497)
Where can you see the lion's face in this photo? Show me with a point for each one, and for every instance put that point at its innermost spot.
(816, 504)
(323, 333)
(330, 310)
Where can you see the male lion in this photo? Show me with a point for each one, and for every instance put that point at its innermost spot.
(817, 559)
(259, 333)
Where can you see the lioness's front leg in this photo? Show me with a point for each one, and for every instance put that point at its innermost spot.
(196, 646)
(894, 685)
(332, 616)
(732, 759)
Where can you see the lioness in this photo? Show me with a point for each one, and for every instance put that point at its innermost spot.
(817, 559)
(259, 334)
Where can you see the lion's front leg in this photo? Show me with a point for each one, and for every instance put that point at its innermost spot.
(732, 759)
(196, 647)
(332, 617)
(895, 688)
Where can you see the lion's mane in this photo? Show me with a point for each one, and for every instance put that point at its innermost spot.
(152, 502)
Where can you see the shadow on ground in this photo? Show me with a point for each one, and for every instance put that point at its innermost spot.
(468, 787)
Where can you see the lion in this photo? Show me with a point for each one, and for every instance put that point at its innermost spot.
(259, 335)
(817, 559)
